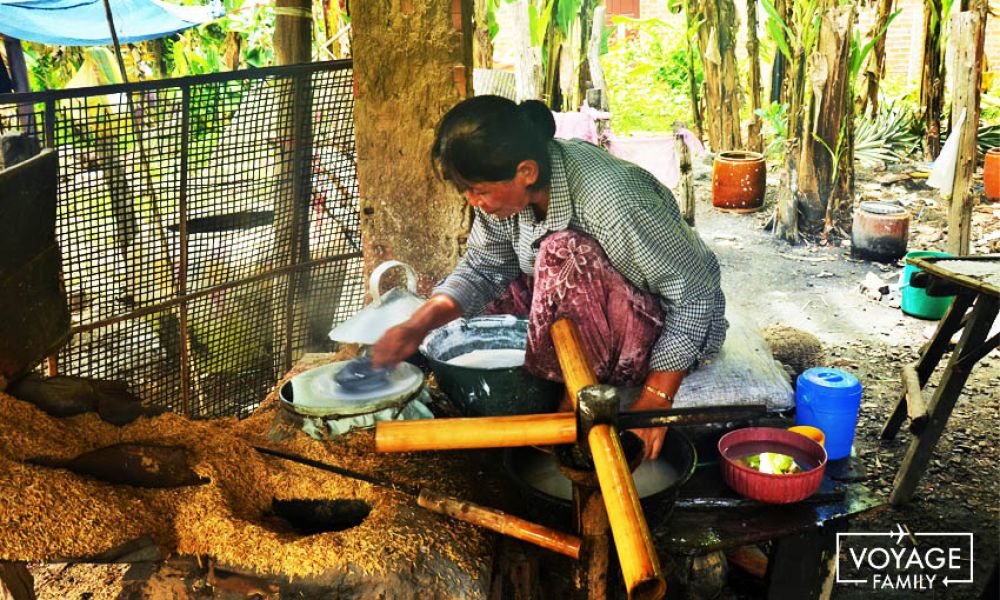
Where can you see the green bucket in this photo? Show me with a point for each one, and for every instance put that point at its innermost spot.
(916, 302)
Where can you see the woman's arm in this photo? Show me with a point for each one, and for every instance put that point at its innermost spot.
(657, 394)
(401, 341)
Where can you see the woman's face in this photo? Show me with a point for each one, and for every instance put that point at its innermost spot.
(503, 199)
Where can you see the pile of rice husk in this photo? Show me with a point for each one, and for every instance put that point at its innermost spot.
(50, 514)
(797, 350)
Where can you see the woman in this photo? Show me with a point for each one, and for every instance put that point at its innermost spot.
(564, 229)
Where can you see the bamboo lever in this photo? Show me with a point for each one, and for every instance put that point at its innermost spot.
(636, 555)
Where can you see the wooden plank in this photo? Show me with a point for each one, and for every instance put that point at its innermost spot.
(916, 408)
(34, 318)
(686, 179)
(930, 356)
(965, 100)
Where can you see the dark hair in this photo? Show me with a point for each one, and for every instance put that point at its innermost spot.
(484, 138)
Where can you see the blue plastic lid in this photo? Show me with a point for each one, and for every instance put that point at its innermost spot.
(828, 377)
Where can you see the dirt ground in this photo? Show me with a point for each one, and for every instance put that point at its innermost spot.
(817, 289)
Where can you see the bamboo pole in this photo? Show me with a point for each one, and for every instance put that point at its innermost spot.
(965, 99)
(636, 554)
(501, 522)
(481, 432)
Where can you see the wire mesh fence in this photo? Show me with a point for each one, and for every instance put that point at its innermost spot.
(208, 227)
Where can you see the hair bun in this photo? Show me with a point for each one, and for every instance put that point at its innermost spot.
(540, 117)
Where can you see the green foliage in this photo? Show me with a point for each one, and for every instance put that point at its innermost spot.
(50, 67)
(892, 135)
(775, 120)
(859, 53)
(646, 72)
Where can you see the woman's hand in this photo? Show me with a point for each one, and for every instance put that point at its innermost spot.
(396, 345)
(657, 394)
(400, 342)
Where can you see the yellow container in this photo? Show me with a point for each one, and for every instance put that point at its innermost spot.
(812, 433)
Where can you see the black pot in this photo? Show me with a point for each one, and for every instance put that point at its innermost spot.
(556, 512)
(488, 392)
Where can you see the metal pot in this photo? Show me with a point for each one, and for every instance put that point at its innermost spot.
(880, 231)
(482, 392)
(678, 454)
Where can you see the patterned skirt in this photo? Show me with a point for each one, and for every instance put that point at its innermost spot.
(618, 322)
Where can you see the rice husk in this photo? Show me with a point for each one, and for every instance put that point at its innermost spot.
(51, 514)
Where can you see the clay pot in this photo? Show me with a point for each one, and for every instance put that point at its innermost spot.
(880, 231)
(991, 174)
(738, 181)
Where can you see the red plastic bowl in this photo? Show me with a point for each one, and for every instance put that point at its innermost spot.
(766, 487)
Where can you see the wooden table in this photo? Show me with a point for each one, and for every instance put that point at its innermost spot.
(975, 283)
(709, 517)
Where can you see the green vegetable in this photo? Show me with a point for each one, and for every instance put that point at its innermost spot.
(773, 463)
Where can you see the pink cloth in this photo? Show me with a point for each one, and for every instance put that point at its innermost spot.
(582, 125)
(618, 323)
(657, 155)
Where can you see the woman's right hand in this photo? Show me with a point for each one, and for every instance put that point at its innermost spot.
(396, 345)
(401, 342)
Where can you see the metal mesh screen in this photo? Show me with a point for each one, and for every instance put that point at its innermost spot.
(208, 227)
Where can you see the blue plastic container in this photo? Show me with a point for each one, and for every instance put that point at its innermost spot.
(829, 399)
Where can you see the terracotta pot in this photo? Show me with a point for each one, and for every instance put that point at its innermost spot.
(991, 174)
(738, 181)
(880, 231)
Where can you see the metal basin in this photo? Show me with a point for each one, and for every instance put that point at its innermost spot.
(480, 392)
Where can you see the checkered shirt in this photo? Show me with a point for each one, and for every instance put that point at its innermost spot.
(636, 221)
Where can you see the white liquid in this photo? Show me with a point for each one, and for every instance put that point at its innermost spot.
(541, 472)
(503, 358)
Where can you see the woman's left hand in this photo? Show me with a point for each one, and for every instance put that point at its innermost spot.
(657, 394)
(652, 439)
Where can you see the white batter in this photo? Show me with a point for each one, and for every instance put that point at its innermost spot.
(500, 358)
(541, 472)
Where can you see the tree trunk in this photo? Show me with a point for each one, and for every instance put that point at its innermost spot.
(969, 37)
(717, 42)
(686, 184)
(786, 223)
(874, 67)
(786, 71)
(292, 45)
(594, 60)
(528, 73)
(481, 42)
(551, 92)
(754, 140)
(835, 111)
(410, 66)
(292, 31)
(696, 119)
(932, 79)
